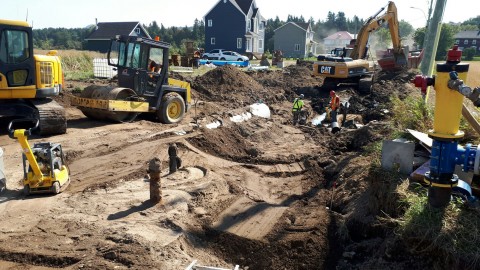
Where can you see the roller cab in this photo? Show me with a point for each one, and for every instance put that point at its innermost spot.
(143, 85)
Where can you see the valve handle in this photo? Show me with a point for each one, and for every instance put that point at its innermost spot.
(28, 129)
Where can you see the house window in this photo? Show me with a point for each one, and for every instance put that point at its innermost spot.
(465, 42)
(297, 47)
(239, 43)
(210, 23)
(457, 41)
(262, 26)
(475, 47)
(260, 44)
(247, 44)
(137, 30)
(249, 25)
(474, 42)
(212, 41)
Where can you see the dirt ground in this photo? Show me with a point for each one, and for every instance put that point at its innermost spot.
(261, 194)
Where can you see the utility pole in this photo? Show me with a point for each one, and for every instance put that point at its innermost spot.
(428, 24)
(432, 35)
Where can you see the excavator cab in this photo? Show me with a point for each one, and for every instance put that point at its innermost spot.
(16, 56)
(28, 81)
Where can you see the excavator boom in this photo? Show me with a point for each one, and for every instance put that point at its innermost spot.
(372, 24)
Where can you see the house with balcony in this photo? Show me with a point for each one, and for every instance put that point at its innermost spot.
(295, 40)
(235, 25)
(468, 39)
(337, 40)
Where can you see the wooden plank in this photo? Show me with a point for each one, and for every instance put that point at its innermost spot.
(467, 114)
(422, 137)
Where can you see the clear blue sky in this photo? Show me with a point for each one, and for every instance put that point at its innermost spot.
(79, 14)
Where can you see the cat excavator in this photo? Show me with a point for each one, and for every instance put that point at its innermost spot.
(27, 81)
(350, 65)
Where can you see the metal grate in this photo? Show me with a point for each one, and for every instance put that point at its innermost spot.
(46, 73)
(101, 69)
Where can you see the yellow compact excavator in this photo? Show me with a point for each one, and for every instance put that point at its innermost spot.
(350, 65)
(44, 167)
(143, 85)
(27, 81)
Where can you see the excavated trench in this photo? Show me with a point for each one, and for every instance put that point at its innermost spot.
(336, 179)
(261, 193)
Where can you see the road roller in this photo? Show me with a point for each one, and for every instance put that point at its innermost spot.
(143, 85)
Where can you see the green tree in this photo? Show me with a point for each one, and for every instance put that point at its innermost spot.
(405, 29)
(270, 31)
(445, 42)
(419, 36)
(153, 29)
(473, 21)
(469, 53)
(330, 23)
(341, 22)
(354, 25)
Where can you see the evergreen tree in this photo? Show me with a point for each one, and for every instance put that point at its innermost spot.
(341, 22)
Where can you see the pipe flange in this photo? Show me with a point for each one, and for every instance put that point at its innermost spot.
(477, 161)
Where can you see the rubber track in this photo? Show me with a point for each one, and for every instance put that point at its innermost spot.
(52, 117)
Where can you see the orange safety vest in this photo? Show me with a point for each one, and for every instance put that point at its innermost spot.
(335, 103)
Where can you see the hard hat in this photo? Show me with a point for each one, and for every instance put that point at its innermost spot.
(301, 95)
(332, 93)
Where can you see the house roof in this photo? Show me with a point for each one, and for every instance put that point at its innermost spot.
(343, 35)
(244, 5)
(303, 26)
(108, 30)
(468, 34)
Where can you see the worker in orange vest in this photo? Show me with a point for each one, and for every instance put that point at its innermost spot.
(334, 105)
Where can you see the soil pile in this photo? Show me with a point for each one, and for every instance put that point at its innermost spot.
(226, 142)
(231, 87)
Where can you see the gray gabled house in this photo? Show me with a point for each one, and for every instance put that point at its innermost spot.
(295, 39)
(235, 25)
(99, 39)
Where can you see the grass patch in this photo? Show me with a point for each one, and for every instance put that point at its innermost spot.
(453, 233)
(473, 79)
(77, 65)
(412, 113)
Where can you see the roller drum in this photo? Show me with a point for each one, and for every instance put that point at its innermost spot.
(108, 93)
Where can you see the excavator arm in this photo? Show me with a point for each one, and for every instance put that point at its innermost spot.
(372, 24)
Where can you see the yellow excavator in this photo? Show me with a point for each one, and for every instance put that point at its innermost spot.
(27, 81)
(350, 65)
(143, 85)
(44, 167)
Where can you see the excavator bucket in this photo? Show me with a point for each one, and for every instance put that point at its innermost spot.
(401, 58)
(391, 60)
